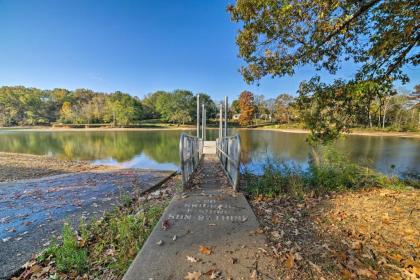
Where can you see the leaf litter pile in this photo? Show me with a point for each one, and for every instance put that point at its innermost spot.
(103, 249)
(368, 234)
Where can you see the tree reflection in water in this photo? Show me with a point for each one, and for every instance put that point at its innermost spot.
(161, 147)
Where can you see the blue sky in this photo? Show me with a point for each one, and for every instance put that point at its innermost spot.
(133, 46)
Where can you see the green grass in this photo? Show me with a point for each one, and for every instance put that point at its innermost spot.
(331, 172)
(69, 255)
(109, 244)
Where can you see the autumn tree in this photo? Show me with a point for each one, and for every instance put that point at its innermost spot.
(277, 36)
(67, 112)
(246, 106)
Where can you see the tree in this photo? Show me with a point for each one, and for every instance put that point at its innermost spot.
(260, 107)
(282, 107)
(246, 106)
(66, 112)
(278, 36)
(270, 104)
(234, 107)
(326, 109)
(209, 104)
(150, 102)
(122, 109)
(181, 117)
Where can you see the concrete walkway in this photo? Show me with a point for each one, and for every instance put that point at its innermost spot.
(31, 211)
(209, 229)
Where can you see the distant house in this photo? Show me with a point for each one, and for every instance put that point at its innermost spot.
(236, 116)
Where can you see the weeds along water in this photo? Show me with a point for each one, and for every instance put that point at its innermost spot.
(327, 170)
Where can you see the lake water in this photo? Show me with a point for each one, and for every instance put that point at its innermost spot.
(158, 149)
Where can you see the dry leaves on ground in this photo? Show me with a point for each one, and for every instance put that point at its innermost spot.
(193, 275)
(365, 234)
(205, 250)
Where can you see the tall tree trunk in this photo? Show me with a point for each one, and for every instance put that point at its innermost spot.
(315, 156)
(386, 102)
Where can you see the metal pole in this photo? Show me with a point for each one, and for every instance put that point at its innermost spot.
(226, 115)
(221, 121)
(205, 124)
(198, 116)
(202, 122)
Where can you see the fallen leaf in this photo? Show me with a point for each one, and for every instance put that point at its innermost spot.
(160, 242)
(346, 274)
(254, 275)
(215, 274)
(166, 225)
(192, 259)
(276, 235)
(366, 273)
(193, 275)
(290, 261)
(316, 267)
(205, 250)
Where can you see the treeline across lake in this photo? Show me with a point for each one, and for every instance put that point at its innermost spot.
(31, 106)
(364, 104)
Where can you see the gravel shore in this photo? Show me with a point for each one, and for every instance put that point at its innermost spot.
(15, 166)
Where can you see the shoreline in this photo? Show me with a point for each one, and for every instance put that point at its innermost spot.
(415, 135)
(16, 166)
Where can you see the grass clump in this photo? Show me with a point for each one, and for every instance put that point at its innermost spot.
(70, 255)
(122, 235)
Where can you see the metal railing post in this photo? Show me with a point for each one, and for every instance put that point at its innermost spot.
(181, 156)
(221, 121)
(198, 116)
(202, 122)
(226, 116)
(205, 124)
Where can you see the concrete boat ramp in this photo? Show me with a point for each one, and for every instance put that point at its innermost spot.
(32, 211)
(209, 231)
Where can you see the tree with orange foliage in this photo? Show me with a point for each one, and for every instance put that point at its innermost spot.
(246, 106)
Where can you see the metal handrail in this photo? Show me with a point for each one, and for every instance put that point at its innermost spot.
(228, 150)
(190, 153)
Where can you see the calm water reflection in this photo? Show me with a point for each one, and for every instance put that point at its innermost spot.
(159, 149)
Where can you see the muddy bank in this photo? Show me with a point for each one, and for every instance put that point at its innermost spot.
(15, 166)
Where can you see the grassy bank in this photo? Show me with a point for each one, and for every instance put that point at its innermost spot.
(328, 171)
(337, 220)
(102, 249)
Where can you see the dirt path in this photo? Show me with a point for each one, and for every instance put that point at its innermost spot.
(31, 211)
